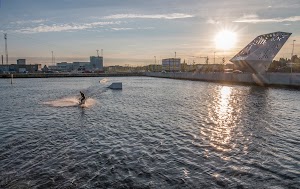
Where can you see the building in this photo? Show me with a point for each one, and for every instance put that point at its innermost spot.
(4, 68)
(15, 68)
(171, 64)
(96, 63)
(117, 69)
(210, 67)
(21, 61)
(64, 67)
(81, 66)
(20, 67)
(257, 56)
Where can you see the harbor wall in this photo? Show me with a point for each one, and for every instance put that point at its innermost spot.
(266, 79)
(49, 75)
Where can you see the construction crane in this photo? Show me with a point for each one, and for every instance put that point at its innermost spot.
(206, 58)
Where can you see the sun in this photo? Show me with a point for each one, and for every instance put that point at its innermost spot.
(225, 39)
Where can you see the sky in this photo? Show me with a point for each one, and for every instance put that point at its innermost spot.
(140, 32)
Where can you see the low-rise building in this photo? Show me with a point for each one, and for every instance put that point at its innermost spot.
(21, 61)
(64, 67)
(81, 66)
(96, 63)
(15, 68)
(171, 64)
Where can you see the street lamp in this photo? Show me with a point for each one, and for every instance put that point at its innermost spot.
(292, 55)
(155, 63)
(214, 57)
(293, 47)
(52, 62)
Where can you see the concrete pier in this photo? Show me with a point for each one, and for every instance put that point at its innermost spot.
(265, 79)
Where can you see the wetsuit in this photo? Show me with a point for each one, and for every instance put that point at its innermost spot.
(82, 97)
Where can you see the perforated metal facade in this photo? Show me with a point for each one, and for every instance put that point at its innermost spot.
(259, 53)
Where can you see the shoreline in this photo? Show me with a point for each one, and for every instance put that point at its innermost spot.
(53, 75)
(282, 80)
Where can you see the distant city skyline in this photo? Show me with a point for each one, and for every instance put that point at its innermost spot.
(134, 32)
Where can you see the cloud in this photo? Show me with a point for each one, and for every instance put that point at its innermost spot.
(65, 27)
(121, 29)
(212, 21)
(95, 24)
(250, 16)
(268, 20)
(124, 29)
(52, 28)
(150, 16)
(245, 17)
(30, 21)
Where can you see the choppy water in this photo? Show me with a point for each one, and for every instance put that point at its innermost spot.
(155, 133)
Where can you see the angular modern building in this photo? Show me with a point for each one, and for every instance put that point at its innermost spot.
(257, 56)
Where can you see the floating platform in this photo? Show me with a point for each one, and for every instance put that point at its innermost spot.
(116, 86)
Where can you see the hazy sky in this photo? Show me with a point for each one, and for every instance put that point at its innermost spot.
(134, 31)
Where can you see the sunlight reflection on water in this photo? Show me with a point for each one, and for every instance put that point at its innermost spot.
(224, 113)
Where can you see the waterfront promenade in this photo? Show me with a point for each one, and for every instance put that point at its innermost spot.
(265, 79)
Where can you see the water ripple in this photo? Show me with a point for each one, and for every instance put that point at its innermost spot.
(155, 133)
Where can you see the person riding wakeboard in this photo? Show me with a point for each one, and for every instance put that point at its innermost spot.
(82, 99)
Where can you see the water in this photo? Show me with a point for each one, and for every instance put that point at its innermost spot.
(155, 133)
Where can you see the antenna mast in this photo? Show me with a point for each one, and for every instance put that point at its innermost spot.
(6, 51)
(52, 62)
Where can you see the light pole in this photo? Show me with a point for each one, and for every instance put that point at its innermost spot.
(52, 62)
(292, 55)
(155, 63)
(214, 57)
(293, 48)
(6, 51)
